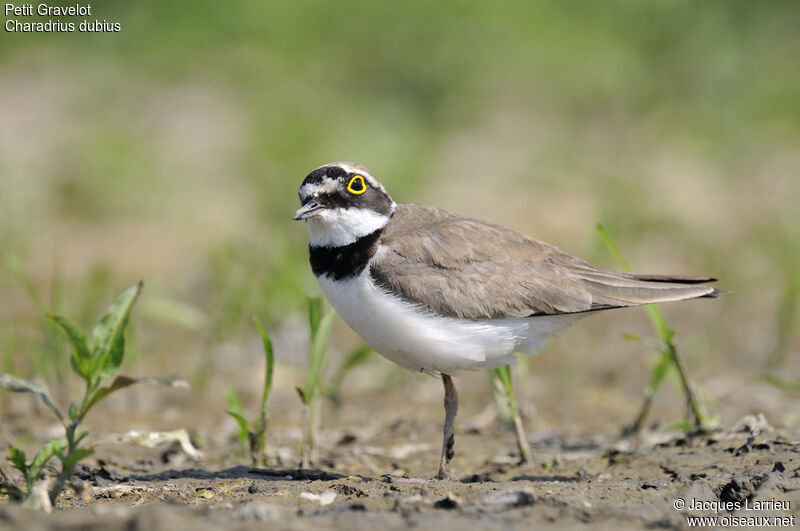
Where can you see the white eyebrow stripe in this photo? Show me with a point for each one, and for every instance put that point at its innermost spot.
(349, 168)
(373, 182)
(326, 186)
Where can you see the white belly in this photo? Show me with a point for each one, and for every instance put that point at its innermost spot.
(418, 340)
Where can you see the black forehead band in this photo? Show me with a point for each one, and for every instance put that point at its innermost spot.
(332, 172)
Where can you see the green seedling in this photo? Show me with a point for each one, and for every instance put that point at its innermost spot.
(94, 361)
(254, 436)
(309, 395)
(357, 357)
(505, 388)
(670, 358)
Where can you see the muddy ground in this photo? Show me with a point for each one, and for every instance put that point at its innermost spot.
(373, 473)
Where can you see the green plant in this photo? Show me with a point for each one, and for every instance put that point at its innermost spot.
(254, 435)
(358, 356)
(505, 388)
(95, 361)
(309, 395)
(669, 357)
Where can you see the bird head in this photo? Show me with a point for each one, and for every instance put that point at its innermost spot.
(342, 202)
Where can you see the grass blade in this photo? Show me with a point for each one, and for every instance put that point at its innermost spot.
(503, 375)
(314, 314)
(259, 440)
(612, 246)
(669, 351)
(320, 342)
(236, 412)
(269, 360)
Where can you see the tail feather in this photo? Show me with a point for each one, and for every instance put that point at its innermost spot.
(674, 279)
(614, 290)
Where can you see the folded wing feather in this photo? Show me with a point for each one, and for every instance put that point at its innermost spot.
(466, 268)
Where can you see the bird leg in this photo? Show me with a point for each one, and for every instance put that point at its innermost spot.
(450, 409)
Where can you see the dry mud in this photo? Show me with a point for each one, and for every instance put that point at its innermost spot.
(584, 482)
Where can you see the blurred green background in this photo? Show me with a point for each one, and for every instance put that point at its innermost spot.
(172, 152)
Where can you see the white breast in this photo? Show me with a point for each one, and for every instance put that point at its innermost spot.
(419, 340)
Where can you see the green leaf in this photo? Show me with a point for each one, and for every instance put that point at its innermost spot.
(47, 452)
(314, 315)
(234, 404)
(320, 341)
(73, 411)
(18, 459)
(19, 385)
(81, 437)
(73, 458)
(123, 381)
(660, 370)
(504, 375)
(108, 339)
(236, 412)
(81, 356)
(666, 333)
(244, 426)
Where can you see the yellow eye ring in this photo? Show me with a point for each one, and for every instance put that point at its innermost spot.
(359, 181)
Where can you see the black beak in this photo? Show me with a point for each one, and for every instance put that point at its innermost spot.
(309, 210)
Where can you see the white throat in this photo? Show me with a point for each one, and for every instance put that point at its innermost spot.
(342, 226)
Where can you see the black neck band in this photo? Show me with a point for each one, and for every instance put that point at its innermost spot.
(345, 261)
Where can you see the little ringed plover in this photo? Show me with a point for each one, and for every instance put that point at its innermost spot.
(437, 292)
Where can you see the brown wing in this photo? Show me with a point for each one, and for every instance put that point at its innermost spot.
(471, 269)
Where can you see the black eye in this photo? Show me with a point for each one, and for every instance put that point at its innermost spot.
(357, 185)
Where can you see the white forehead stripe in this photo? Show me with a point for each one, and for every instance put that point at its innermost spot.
(326, 186)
